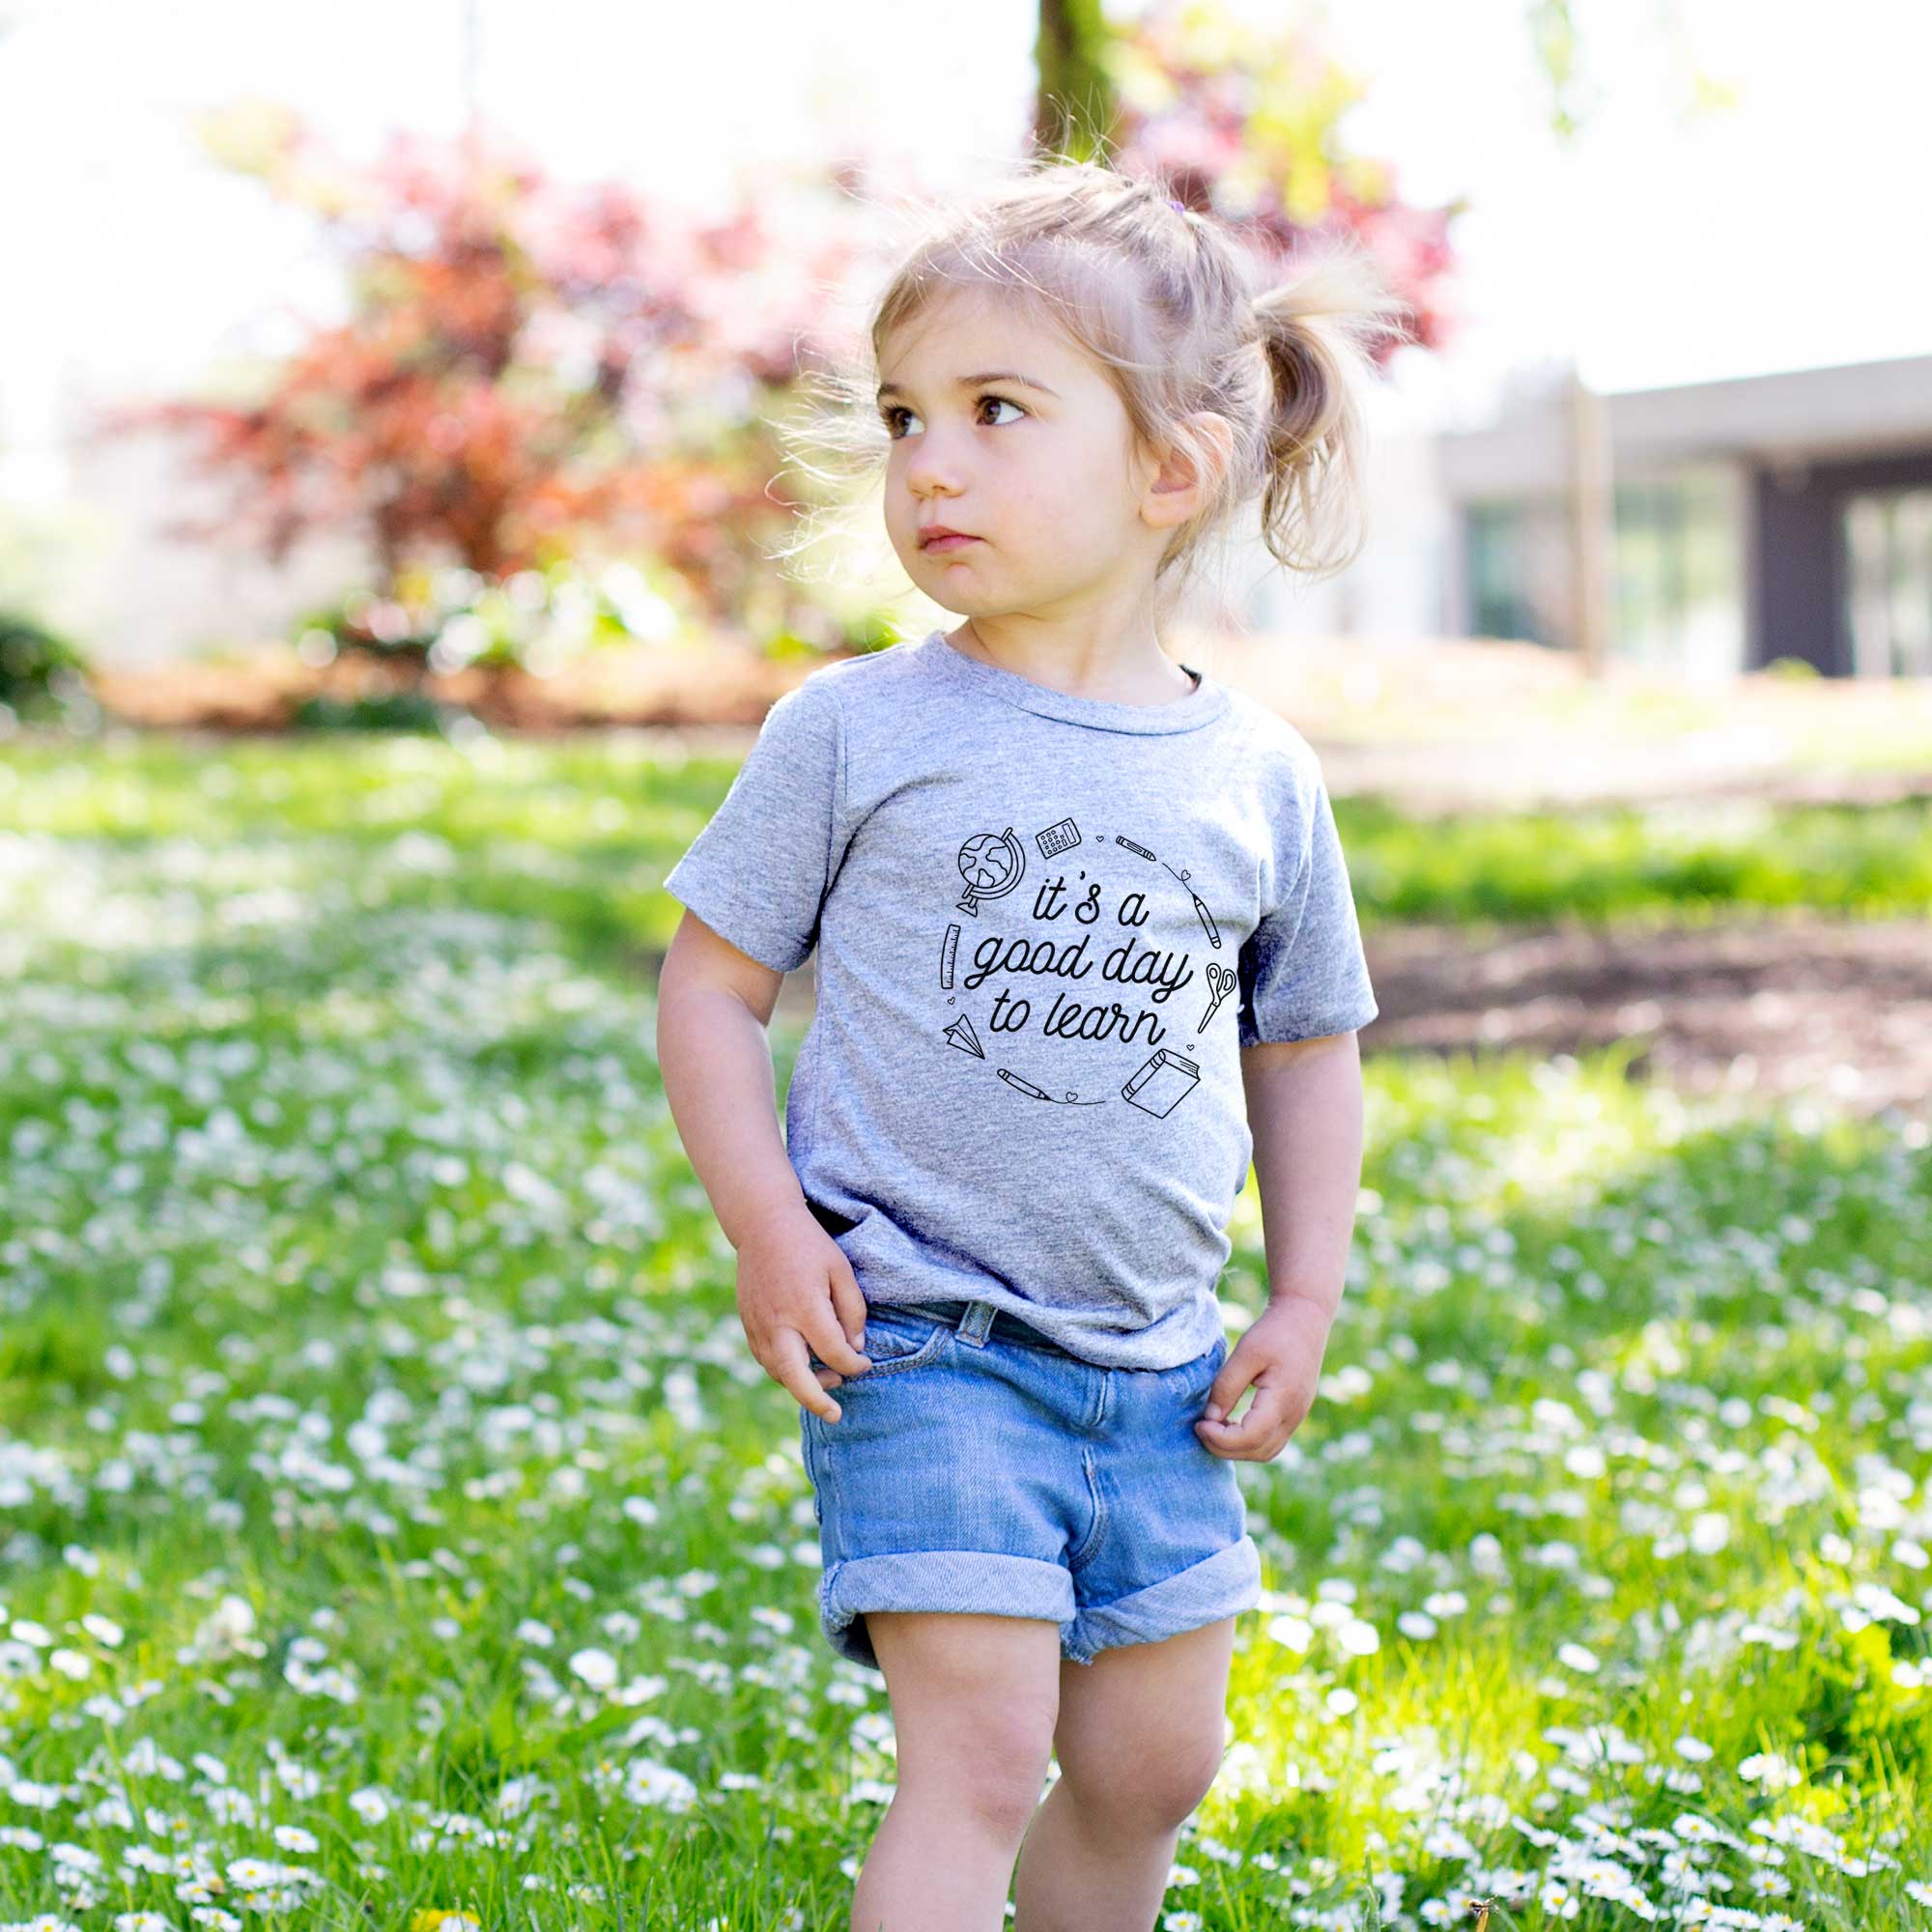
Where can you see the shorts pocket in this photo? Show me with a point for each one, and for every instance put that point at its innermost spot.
(897, 1340)
(1200, 1373)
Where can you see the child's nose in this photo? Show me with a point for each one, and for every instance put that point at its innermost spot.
(935, 463)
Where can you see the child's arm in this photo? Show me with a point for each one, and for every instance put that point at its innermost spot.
(795, 1286)
(1305, 1112)
(1305, 996)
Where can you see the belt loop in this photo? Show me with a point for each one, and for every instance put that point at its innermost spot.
(976, 1322)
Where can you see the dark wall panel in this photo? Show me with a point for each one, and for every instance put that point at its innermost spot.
(1797, 602)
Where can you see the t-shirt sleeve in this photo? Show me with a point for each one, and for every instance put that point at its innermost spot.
(1302, 973)
(758, 872)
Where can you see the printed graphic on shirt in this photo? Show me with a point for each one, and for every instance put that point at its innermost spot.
(1013, 941)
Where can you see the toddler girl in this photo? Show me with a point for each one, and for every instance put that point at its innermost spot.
(1085, 946)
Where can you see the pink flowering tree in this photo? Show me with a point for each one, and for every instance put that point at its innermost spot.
(526, 369)
(1245, 121)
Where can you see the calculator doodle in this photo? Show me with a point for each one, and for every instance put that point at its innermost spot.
(1057, 838)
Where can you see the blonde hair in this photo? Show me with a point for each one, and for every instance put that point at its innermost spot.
(1184, 317)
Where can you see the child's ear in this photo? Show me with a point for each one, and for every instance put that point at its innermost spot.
(1177, 479)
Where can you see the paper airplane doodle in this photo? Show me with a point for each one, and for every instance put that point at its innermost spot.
(960, 1032)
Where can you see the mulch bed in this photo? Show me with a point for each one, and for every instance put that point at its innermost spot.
(259, 691)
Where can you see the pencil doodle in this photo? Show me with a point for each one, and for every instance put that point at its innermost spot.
(1071, 1098)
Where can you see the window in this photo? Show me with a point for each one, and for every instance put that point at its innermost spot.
(1887, 539)
(1677, 590)
(1517, 563)
(1679, 595)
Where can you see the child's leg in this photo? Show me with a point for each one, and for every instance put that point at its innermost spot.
(1140, 1737)
(974, 1701)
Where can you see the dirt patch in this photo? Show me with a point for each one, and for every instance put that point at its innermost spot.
(1442, 724)
(1435, 781)
(1838, 1011)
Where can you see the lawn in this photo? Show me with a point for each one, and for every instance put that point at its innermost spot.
(394, 1523)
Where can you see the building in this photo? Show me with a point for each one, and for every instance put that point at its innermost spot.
(1764, 517)
(1759, 518)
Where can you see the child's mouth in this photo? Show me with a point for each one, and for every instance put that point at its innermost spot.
(948, 542)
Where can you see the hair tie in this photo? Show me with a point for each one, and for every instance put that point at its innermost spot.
(1172, 203)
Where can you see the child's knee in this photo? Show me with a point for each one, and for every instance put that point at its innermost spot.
(974, 1699)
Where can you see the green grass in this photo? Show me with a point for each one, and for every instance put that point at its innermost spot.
(388, 1502)
(581, 832)
(1682, 864)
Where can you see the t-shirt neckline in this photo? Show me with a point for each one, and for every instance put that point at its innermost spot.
(1207, 701)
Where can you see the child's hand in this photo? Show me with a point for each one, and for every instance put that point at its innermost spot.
(1281, 1356)
(798, 1297)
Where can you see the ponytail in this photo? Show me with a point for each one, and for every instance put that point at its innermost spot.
(1314, 332)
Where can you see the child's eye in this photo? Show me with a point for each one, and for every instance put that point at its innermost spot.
(891, 415)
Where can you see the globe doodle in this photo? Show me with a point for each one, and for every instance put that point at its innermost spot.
(992, 864)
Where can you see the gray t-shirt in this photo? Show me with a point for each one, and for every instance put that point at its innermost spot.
(1045, 926)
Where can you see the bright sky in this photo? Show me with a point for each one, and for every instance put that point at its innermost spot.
(1771, 237)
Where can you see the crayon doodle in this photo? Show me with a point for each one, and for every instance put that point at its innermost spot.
(1201, 912)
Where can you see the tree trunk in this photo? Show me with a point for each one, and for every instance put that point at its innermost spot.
(1075, 110)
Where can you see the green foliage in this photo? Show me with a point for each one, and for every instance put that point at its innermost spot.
(379, 711)
(535, 620)
(873, 631)
(42, 672)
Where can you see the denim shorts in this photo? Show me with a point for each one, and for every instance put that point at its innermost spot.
(979, 1467)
